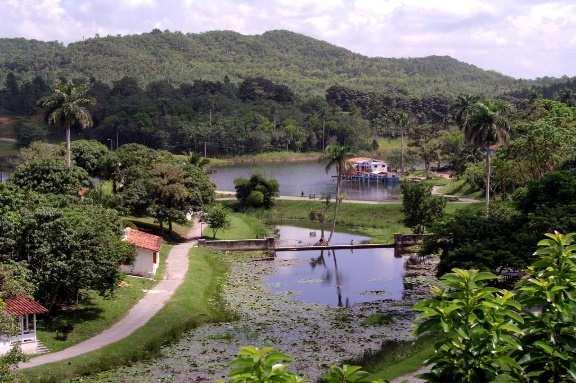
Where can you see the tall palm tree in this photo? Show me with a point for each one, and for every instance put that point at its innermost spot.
(67, 107)
(402, 122)
(486, 126)
(336, 156)
(462, 107)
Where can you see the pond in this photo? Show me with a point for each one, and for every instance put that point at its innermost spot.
(308, 177)
(339, 279)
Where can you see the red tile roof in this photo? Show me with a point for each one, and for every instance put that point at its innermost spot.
(22, 305)
(144, 240)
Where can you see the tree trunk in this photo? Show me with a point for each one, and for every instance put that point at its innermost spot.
(68, 154)
(169, 226)
(402, 151)
(427, 169)
(338, 180)
(488, 179)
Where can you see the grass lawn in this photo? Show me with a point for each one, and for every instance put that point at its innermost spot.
(461, 188)
(197, 301)
(148, 224)
(388, 145)
(267, 157)
(377, 221)
(97, 313)
(397, 359)
(242, 226)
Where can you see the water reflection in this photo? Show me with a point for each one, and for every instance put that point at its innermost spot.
(336, 278)
(307, 178)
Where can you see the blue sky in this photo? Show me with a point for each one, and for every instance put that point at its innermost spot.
(522, 38)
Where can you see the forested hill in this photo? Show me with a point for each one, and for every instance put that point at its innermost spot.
(307, 65)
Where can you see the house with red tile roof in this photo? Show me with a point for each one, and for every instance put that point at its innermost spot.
(147, 257)
(25, 310)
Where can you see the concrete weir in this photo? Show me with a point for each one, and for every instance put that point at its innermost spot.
(402, 242)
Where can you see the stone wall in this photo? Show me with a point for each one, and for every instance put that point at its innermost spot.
(239, 244)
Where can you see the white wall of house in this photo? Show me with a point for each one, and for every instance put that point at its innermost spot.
(143, 265)
(5, 344)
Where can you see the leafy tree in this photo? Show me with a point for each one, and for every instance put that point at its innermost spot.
(29, 131)
(548, 347)
(336, 156)
(50, 176)
(419, 206)
(476, 327)
(89, 155)
(217, 217)
(486, 126)
(425, 144)
(168, 195)
(256, 191)
(67, 107)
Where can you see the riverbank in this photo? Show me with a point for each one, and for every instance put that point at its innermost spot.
(266, 158)
(315, 335)
(378, 221)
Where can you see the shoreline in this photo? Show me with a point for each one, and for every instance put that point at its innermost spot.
(266, 318)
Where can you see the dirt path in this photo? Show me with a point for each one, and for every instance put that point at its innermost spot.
(412, 377)
(142, 312)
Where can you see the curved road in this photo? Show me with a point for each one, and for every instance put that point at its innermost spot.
(139, 314)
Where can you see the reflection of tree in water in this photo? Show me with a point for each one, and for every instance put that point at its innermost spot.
(327, 275)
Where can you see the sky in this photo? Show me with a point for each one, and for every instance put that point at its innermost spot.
(521, 38)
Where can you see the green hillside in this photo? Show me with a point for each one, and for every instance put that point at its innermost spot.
(305, 64)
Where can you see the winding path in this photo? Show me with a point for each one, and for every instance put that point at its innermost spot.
(139, 314)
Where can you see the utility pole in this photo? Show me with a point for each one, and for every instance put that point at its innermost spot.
(205, 150)
(323, 124)
(116, 137)
(402, 150)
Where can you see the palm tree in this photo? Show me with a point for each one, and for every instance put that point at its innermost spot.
(336, 156)
(402, 122)
(67, 107)
(486, 126)
(462, 107)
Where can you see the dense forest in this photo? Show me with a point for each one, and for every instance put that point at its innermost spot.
(306, 65)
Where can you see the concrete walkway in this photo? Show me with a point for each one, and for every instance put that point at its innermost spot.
(139, 314)
(231, 196)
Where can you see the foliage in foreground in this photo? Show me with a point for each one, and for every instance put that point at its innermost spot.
(267, 365)
(492, 335)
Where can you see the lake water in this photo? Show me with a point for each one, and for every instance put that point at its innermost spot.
(340, 278)
(307, 177)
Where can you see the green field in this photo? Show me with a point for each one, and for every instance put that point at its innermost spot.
(379, 222)
(97, 313)
(197, 301)
(242, 226)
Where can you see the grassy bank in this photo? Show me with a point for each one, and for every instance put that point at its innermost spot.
(97, 313)
(397, 359)
(197, 301)
(266, 157)
(242, 226)
(377, 221)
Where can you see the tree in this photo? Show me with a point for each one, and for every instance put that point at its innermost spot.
(419, 206)
(50, 176)
(548, 347)
(486, 126)
(424, 139)
(462, 107)
(217, 217)
(89, 155)
(30, 131)
(256, 191)
(475, 327)
(336, 156)
(67, 107)
(168, 195)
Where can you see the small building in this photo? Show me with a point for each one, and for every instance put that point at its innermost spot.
(364, 165)
(147, 256)
(25, 310)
